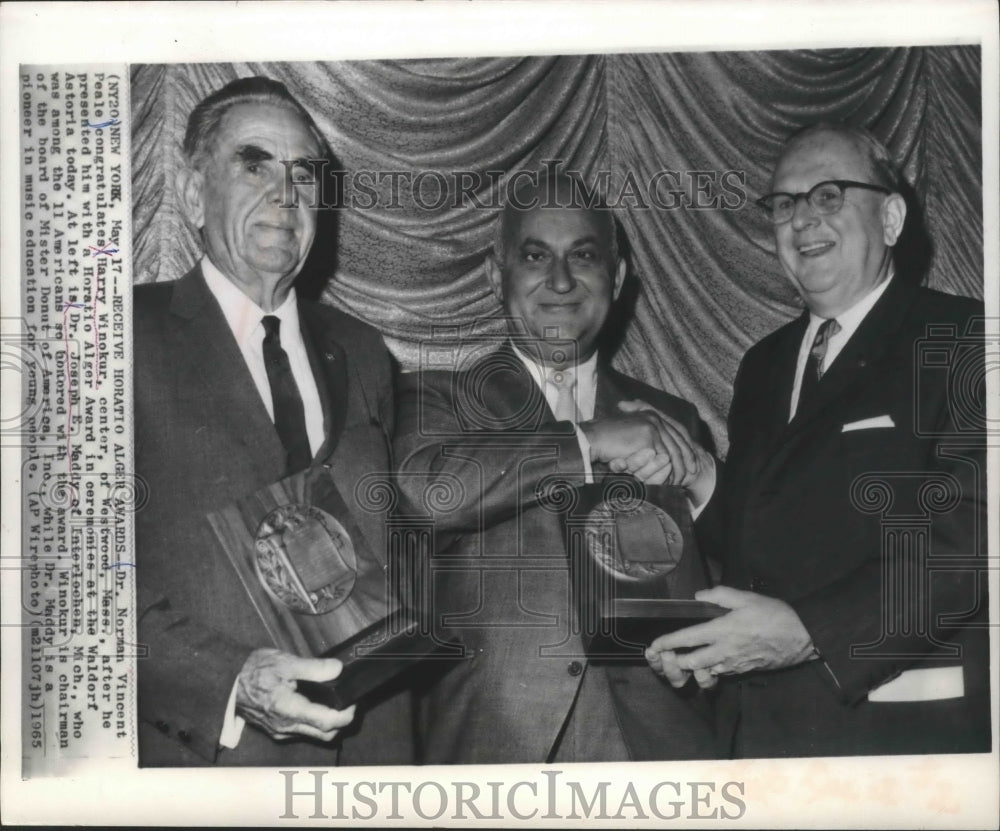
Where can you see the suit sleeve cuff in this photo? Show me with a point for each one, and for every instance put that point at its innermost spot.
(708, 490)
(232, 725)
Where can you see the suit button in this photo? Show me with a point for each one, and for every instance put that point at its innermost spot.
(574, 668)
(184, 736)
(162, 726)
(758, 584)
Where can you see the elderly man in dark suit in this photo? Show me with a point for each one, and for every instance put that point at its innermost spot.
(541, 405)
(239, 383)
(850, 515)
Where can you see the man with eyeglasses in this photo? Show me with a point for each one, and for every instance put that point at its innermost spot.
(850, 514)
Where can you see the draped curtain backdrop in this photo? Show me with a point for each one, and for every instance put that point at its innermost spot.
(705, 283)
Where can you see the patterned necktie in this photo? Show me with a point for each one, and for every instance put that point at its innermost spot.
(564, 382)
(289, 413)
(814, 364)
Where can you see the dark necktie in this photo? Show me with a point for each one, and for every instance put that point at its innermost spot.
(814, 364)
(289, 413)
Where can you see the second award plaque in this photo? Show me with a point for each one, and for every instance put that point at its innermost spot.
(635, 566)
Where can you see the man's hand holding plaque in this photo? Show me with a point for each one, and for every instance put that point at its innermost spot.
(327, 599)
(759, 633)
(266, 695)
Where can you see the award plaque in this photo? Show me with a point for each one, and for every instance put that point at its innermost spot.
(635, 566)
(319, 588)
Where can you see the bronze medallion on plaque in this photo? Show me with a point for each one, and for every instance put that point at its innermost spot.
(320, 589)
(634, 562)
(305, 559)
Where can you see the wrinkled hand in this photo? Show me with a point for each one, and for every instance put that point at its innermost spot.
(266, 696)
(624, 434)
(759, 633)
(682, 462)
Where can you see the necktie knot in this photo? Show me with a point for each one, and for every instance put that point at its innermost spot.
(560, 378)
(272, 327)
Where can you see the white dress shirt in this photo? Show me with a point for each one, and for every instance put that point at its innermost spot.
(243, 317)
(849, 322)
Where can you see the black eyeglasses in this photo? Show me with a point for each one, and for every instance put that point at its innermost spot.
(824, 198)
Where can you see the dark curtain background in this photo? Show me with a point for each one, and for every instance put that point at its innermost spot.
(704, 281)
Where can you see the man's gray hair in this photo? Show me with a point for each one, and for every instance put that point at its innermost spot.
(204, 121)
(882, 167)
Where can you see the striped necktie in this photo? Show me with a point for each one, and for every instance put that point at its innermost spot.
(814, 363)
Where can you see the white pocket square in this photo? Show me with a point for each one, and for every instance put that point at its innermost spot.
(869, 424)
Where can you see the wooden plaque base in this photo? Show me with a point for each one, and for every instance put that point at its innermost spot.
(631, 624)
(375, 656)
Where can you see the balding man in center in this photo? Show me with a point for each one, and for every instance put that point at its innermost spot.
(543, 404)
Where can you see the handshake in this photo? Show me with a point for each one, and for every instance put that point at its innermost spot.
(656, 449)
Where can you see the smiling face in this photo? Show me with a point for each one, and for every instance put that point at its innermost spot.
(236, 195)
(558, 278)
(836, 259)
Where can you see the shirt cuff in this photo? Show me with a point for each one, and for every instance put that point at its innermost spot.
(710, 486)
(584, 442)
(232, 724)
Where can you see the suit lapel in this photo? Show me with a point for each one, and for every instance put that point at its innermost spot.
(216, 371)
(876, 334)
(508, 391)
(329, 366)
(781, 381)
(609, 392)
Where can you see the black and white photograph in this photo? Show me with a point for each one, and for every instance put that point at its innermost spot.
(468, 432)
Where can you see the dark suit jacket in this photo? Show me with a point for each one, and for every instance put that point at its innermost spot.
(203, 438)
(500, 578)
(795, 517)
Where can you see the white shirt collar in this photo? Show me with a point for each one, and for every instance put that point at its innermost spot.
(586, 382)
(241, 313)
(850, 319)
(585, 372)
